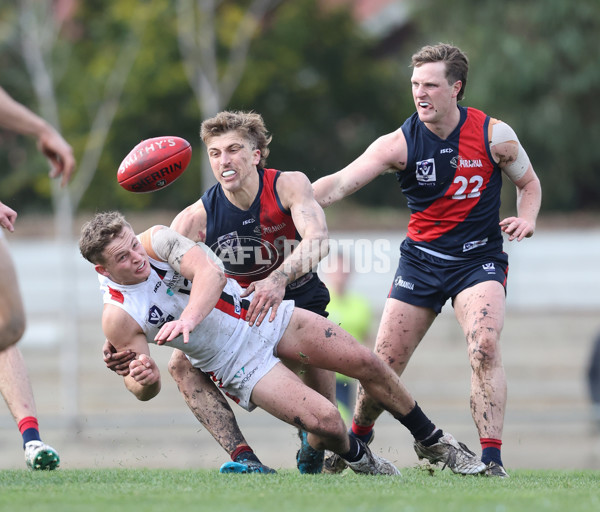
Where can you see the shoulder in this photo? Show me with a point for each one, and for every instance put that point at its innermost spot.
(292, 186)
(116, 321)
(388, 153)
(291, 179)
(191, 222)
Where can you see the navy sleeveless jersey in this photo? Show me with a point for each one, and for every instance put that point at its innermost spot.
(251, 243)
(452, 187)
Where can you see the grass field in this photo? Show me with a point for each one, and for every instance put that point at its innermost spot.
(417, 490)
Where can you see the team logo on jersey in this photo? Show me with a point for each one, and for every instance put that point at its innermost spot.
(157, 317)
(229, 241)
(425, 172)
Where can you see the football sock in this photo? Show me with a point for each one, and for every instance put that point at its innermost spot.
(490, 450)
(29, 429)
(362, 433)
(420, 426)
(242, 453)
(355, 452)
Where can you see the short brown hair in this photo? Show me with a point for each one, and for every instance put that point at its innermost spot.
(248, 124)
(98, 233)
(457, 63)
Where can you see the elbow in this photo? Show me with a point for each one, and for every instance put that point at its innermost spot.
(144, 393)
(221, 279)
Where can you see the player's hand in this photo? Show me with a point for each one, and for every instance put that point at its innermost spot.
(59, 153)
(144, 370)
(170, 331)
(268, 294)
(517, 228)
(118, 362)
(7, 217)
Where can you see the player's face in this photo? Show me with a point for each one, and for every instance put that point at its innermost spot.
(126, 260)
(434, 98)
(232, 159)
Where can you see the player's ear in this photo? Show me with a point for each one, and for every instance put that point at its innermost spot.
(101, 270)
(456, 87)
(256, 159)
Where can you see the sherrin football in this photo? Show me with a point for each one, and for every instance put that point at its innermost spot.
(154, 164)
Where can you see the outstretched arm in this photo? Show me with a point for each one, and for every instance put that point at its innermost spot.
(16, 117)
(386, 154)
(195, 262)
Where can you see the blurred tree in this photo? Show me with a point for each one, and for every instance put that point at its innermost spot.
(325, 87)
(314, 76)
(204, 33)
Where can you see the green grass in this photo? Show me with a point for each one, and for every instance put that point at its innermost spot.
(133, 490)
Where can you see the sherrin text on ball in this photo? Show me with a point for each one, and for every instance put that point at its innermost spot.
(154, 164)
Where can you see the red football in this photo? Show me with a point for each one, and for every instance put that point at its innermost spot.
(154, 164)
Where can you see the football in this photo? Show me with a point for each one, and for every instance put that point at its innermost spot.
(154, 164)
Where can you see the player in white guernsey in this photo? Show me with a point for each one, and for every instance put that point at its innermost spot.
(190, 305)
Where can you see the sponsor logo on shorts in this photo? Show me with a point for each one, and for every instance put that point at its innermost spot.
(248, 376)
(490, 268)
(401, 283)
(425, 172)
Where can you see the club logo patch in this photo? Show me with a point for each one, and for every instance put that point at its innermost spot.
(157, 317)
(425, 172)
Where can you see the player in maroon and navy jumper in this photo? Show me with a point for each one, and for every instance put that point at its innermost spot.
(452, 188)
(268, 228)
(449, 161)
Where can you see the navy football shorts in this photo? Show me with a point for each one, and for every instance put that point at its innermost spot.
(313, 296)
(428, 281)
